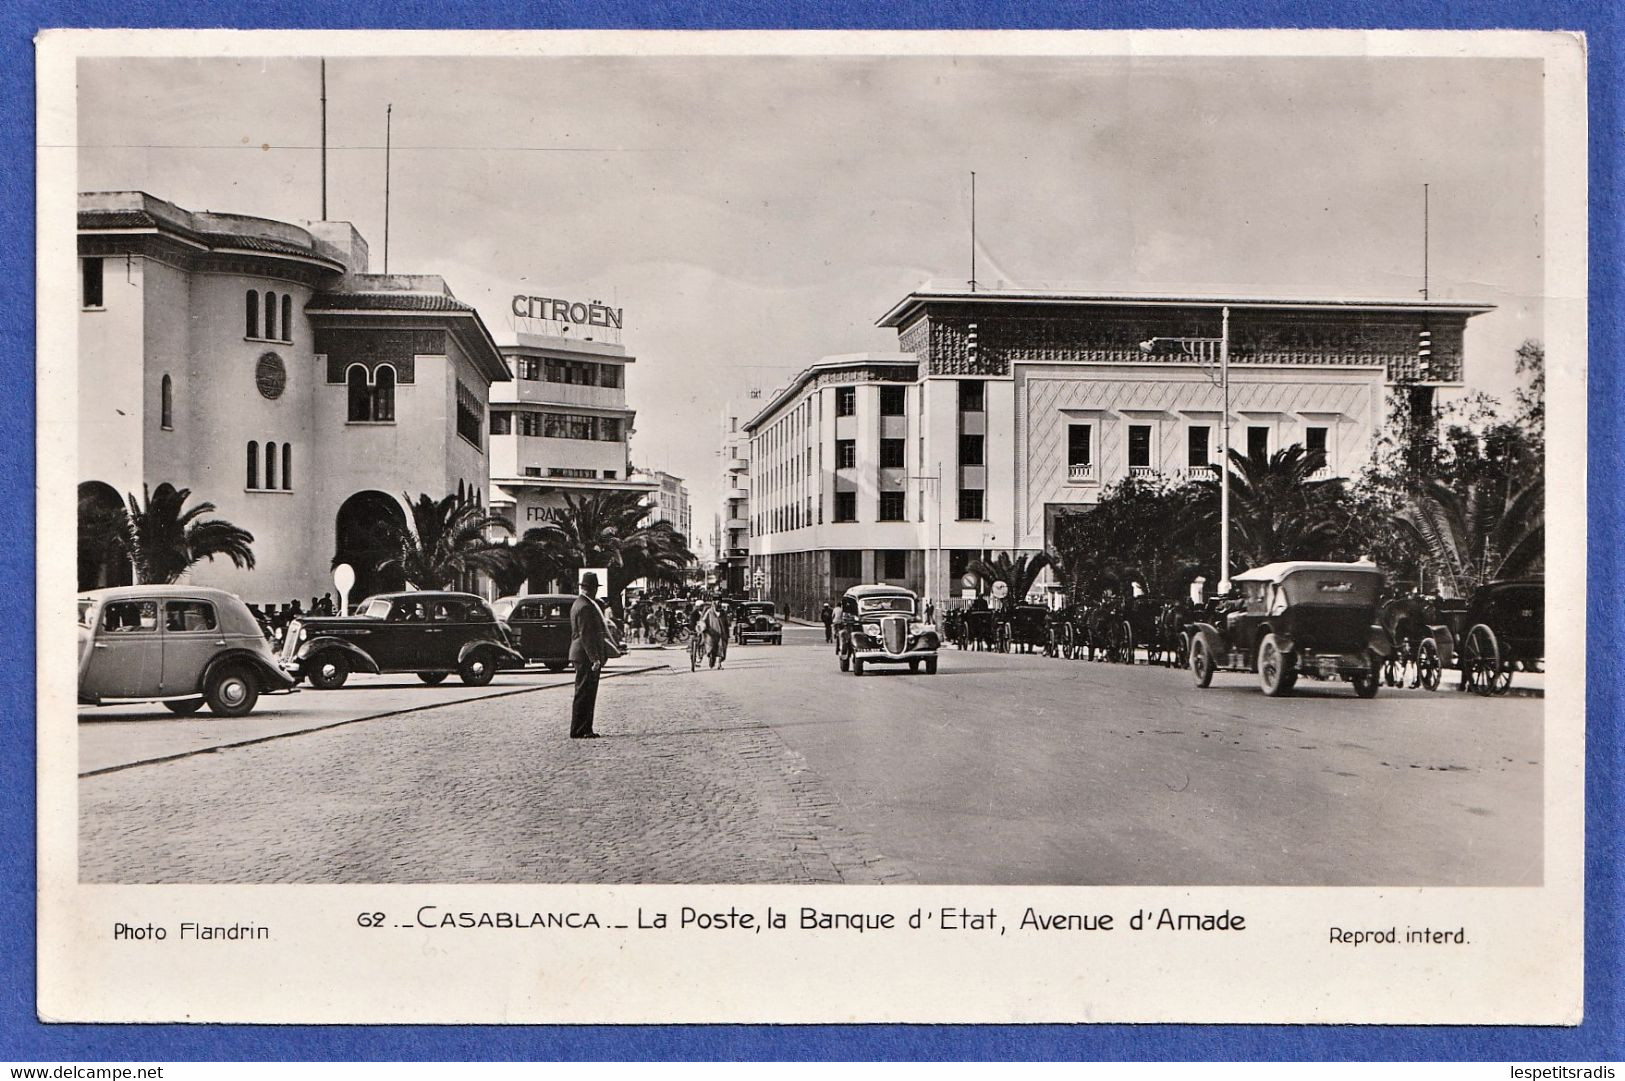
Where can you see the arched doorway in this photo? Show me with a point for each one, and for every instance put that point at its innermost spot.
(361, 539)
(102, 513)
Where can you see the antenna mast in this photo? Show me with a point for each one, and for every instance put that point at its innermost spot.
(973, 231)
(1424, 242)
(324, 138)
(389, 111)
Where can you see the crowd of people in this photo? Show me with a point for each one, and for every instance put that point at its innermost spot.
(274, 618)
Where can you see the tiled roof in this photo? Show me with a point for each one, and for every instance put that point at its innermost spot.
(420, 302)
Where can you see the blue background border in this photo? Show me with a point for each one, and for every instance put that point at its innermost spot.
(22, 1038)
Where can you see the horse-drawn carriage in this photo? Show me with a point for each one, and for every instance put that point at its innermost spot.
(1021, 628)
(1424, 643)
(1501, 629)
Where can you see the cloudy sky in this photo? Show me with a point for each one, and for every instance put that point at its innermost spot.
(751, 215)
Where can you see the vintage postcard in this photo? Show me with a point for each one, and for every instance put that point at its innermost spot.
(811, 527)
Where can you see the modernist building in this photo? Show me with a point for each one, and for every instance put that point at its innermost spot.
(670, 503)
(260, 365)
(733, 518)
(560, 427)
(1004, 410)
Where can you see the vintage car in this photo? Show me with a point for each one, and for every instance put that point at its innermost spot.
(881, 624)
(756, 621)
(430, 633)
(183, 646)
(1298, 619)
(540, 623)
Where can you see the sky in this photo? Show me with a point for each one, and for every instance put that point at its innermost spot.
(750, 215)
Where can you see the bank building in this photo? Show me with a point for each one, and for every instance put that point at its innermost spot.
(1002, 410)
(262, 365)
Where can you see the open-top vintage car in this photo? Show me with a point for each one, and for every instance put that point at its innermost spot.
(881, 624)
(1298, 619)
(183, 646)
(540, 625)
(757, 621)
(430, 633)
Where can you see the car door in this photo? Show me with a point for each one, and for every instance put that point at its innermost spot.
(526, 623)
(456, 623)
(126, 656)
(404, 641)
(553, 632)
(192, 636)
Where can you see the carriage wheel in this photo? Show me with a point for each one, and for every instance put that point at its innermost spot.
(1184, 658)
(1069, 643)
(1481, 661)
(1004, 638)
(1127, 631)
(1428, 668)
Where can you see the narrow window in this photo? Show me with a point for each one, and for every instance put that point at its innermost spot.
(891, 506)
(287, 318)
(91, 294)
(891, 401)
(252, 327)
(846, 506)
(270, 315)
(166, 403)
(892, 452)
(846, 453)
(1196, 445)
(501, 423)
(972, 396)
(970, 504)
(270, 465)
(253, 464)
(1139, 446)
(287, 467)
(360, 394)
(1258, 441)
(893, 563)
(1314, 441)
(1080, 452)
(846, 401)
(383, 395)
(971, 450)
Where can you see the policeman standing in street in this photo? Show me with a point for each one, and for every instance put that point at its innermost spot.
(827, 614)
(590, 647)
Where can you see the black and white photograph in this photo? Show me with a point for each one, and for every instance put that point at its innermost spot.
(932, 463)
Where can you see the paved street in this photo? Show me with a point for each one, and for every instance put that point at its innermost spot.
(1000, 769)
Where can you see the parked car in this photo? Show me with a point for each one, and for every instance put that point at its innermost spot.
(430, 633)
(183, 646)
(880, 624)
(1298, 619)
(757, 621)
(540, 623)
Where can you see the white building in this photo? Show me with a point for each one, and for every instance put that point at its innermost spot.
(732, 529)
(670, 503)
(1004, 410)
(260, 365)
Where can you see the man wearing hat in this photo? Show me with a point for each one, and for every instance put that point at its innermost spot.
(590, 647)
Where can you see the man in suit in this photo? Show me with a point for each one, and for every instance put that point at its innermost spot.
(590, 647)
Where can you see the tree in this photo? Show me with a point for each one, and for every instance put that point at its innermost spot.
(1141, 530)
(1018, 575)
(163, 538)
(1478, 534)
(445, 540)
(1279, 509)
(608, 529)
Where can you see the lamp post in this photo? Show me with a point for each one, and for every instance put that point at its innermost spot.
(932, 571)
(1203, 350)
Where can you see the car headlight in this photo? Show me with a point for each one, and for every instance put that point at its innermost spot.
(872, 629)
(916, 628)
(296, 630)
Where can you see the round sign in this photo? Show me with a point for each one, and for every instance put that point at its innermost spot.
(1001, 590)
(270, 375)
(343, 579)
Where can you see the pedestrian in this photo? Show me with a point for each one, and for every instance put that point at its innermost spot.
(590, 647)
(827, 614)
(930, 612)
(324, 607)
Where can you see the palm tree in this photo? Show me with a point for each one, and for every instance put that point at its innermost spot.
(1018, 574)
(163, 538)
(1478, 534)
(608, 529)
(446, 540)
(1278, 508)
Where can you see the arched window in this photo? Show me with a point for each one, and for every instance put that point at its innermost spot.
(252, 329)
(270, 315)
(360, 393)
(253, 464)
(287, 318)
(287, 467)
(270, 465)
(383, 394)
(166, 402)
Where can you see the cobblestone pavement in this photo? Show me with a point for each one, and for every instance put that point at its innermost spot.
(684, 787)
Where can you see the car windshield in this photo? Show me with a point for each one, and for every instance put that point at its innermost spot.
(867, 605)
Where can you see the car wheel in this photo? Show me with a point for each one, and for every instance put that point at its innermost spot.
(857, 667)
(478, 668)
(914, 666)
(846, 662)
(1365, 684)
(930, 666)
(184, 708)
(1275, 672)
(556, 666)
(1201, 663)
(433, 679)
(232, 691)
(329, 671)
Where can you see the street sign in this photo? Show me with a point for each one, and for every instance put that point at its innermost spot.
(1001, 590)
(344, 581)
(760, 579)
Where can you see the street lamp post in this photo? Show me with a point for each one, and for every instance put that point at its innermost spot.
(1203, 349)
(932, 571)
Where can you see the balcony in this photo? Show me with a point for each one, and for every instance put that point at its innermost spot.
(1080, 473)
(738, 553)
(736, 521)
(739, 465)
(1201, 472)
(1143, 471)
